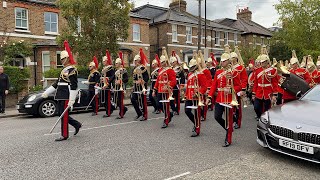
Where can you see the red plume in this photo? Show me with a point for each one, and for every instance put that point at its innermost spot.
(173, 54)
(95, 60)
(158, 60)
(121, 57)
(144, 59)
(214, 61)
(109, 61)
(67, 48)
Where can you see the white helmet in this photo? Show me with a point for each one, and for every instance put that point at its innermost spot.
(225, 56)
(173, 59)
(209, 60)
(63, 54)
(137, 57)
(118, 60)
(104, 58)
(192, 63)
(294, 60)
(233, 55)
(163, 59)
(264, 58)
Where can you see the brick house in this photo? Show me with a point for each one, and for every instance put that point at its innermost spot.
(176, 29)
(39, 22)
(253, 34)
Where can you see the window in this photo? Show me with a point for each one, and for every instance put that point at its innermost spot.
(21, 18)
(78, 25)
(202, 36)
(254, 41)
(262, 41)
(136, 32)
(235, 39)
(174, 33)
(45, 61)
(226, 38)
(59, 65)
(189, 34)
(217, 38)
(51, 22)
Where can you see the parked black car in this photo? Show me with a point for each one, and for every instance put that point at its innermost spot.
(294, 128)
(34, 104)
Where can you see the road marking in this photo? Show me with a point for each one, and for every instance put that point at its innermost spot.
(178, 176)
(99, 127)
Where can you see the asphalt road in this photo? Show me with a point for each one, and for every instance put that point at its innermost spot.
(126, 149)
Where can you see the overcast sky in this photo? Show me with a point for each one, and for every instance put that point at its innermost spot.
(263, 11)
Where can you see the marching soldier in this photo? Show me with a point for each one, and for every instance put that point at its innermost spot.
(156, 64)
(242, 73)
(265, 87)
(140, 78)
(314, 73)
(108, 75)
(211, 65)
(93, 82)
(196, 88)
(119, 81)
(164, 86)
(226, 84)
(301, 72)
(66, 89)
(180, 76)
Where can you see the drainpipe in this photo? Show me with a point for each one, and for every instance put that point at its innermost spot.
(34, 65)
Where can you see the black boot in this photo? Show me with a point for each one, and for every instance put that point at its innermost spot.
(77, 129)
(194, 133)
(93, 114)
(235, 125)
(61, 139)
(164, 125)
(104, 116)
(226, 144)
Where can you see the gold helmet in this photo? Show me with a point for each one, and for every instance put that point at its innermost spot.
(209, 60)
(154, 62)
(173, 59)
(225, 57)
(294, 58)
(233, 55)
(193, 62)
(164, 57)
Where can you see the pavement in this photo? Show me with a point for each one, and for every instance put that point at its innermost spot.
(126, 149)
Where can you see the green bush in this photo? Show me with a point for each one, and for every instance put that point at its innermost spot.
(16, 76)
(52, 73)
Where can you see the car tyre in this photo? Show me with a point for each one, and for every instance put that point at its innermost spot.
(48, 108)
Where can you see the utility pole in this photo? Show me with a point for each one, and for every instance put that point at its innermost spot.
(205, 23)
(199, 27)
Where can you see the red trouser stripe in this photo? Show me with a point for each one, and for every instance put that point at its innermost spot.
(240, 113)
(230, 124)
(167, 104)
(64, 122)
(178, 102)
(97, 103)
(145, 110)
(121, 104)
(109, 102)
(198, 122)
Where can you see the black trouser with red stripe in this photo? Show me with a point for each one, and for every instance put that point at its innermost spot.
(226, 123)
(66, 119)
(261, 106)
(95, 101)
(237, 118)
(139, 102)
(165, 107)
(107, 101)
(204, 109)
(194, 118)
(154, 101)
(120, 104)
(175, 104)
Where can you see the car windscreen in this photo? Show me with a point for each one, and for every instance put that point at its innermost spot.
(313, 95)
(80, 85)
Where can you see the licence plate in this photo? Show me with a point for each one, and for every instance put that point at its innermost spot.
(296, 146)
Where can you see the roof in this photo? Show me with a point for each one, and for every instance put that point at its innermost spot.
(135, 15)
(159, 15)
(44, 2)
(247, 26)
(46, 43)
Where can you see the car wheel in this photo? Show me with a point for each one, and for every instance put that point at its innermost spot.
(48, 108)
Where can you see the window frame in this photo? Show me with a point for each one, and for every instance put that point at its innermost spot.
(27, 19)
(174, 32)
(135, 32)
(42, 60)
(235, 38)
(189, 34)
(202, 36)
(57, 17)
(226, 37)
(58, 60)
(217, 38)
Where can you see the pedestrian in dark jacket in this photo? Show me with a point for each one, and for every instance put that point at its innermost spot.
(4, 89)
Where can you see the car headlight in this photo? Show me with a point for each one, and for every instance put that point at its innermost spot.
(265, 118)
(32, 98)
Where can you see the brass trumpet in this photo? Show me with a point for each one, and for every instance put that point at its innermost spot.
(230, 84)
(196, 85)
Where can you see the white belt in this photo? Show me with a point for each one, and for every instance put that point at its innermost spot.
(191, 86)
(226, 89)
(62, 84)
(178, 79)
(153, 80)
(264, 85)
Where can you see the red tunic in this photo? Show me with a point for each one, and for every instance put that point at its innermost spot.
(301, 72)
(315, 75)
(242, 73)
(265, 83)
(191, 89)
(219, 85)
(208, 76)
(166, 76)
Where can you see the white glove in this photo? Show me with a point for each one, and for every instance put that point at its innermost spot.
(96, 91)
(49, 91)
(72, 98)
(85, 82)
(6, 92)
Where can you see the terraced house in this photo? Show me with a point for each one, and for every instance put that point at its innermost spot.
(40, 22)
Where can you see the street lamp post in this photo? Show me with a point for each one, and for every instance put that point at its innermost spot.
(199, 27)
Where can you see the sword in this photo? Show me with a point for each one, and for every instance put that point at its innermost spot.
(98, 88)
(64, 112)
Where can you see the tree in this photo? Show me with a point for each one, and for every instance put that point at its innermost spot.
(94, 26)
(301, 25)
